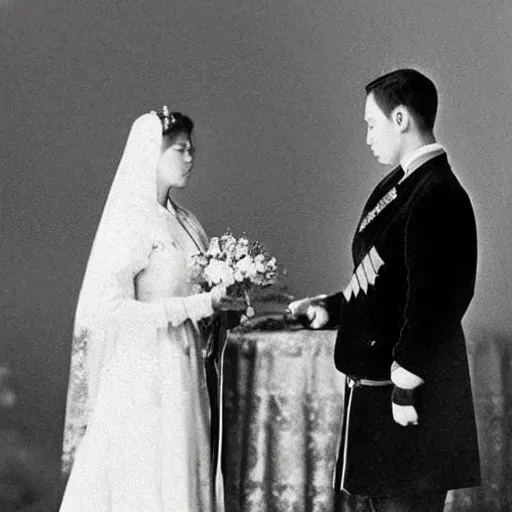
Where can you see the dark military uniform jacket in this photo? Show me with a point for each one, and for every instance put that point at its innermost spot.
(415, 256)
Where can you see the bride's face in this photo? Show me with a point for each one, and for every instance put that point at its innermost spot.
(176, 161)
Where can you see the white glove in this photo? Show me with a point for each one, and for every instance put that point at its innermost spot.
(405, 414)
(317, 316)
(299, 307)
(310, 308)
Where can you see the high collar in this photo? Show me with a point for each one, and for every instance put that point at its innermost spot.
(419, 157)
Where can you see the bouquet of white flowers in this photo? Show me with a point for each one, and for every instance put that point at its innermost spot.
(236, 263)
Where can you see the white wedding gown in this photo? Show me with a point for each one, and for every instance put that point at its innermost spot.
(146, 448)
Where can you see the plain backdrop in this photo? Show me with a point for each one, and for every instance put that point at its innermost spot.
(276, 88)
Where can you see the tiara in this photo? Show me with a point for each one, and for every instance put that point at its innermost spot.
(167, 118)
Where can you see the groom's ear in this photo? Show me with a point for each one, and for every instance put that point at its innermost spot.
(401, 118)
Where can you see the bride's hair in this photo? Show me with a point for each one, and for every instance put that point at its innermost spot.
(174, 122)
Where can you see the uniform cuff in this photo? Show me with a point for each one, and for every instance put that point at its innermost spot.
(402, 396)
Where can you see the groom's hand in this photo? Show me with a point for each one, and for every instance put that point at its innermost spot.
(402, 398)
(309, 312)
(299, 307)
(317, 316)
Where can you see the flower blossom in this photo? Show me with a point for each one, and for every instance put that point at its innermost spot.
(242, 248)
(247, 267)
(218, 272)
(214, 249)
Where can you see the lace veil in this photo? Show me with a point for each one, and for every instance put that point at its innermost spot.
(121, 240)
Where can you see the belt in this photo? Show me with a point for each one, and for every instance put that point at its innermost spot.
(354, 381)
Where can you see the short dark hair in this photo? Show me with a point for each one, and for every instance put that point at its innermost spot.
(409, 88)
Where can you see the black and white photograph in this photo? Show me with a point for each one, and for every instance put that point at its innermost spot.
(256, 256)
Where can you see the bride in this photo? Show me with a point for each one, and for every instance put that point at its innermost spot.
(137, 419)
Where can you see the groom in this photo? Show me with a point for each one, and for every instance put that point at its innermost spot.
(408, 433)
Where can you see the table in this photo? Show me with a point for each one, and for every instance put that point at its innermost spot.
(282, 408)
(282, 415)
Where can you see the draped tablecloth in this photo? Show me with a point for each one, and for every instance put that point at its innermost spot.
(282, 413)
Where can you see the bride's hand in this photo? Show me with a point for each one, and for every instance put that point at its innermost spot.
(222, 302)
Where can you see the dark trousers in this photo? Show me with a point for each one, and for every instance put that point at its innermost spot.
(428, 502)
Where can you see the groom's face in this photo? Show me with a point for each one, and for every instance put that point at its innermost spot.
(382, 135)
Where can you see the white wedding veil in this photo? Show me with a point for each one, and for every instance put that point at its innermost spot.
(121, 241)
